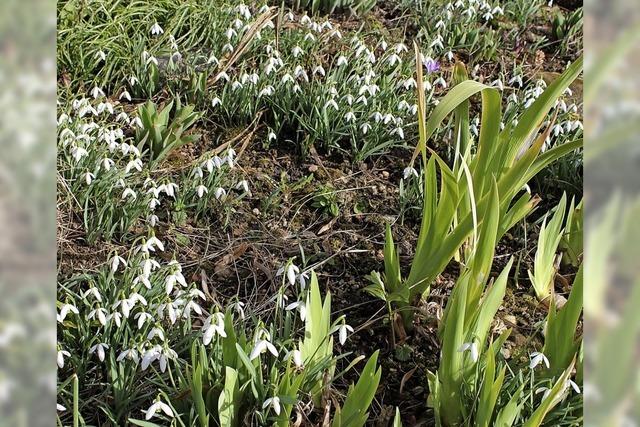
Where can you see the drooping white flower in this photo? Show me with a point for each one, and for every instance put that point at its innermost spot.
(537, 358)
(60, 408)
(142, 318)
(100, 349)
(89, 177)
(262, 346)
(155, 332)
(101, 56)
(342, 60)
(201, 190)
(292, 271)
(60, 358)
(274, 403)
(152, 242)
(215, 102)
(343, 330)
(100, 313)
(66, 308)
(243, 185)
(214, 325)
(574, 386)
(220, 193)
(472, 347)
(156, 29)
(408, 171)
(157, 407)
(300, 306)
(364, 128)
(131, 354)
(296, 51)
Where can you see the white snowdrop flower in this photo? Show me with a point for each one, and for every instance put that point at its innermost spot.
(154, 203)
(440, 25)
(64, 310)
(309, 37)
(107, 163)
(497, 11)
(227, 48)
(239, 308)
(100, 313)
(223, 76)
(296, 51)
(274, 403)
(410, 83)
(220, 193)
(201, 190)
(236, 85)
(271, 136)
(231, 33)
(302, 279)
(364, 128)
(144, 280)
(142, 318)
(267, 91)
(287, 78)
(88, 177)
(537, 358)
(60, 358)
(116, 317)
(155, 332)
(128, 192)
(472, 347)
(331, 103)
(158, 406)
(343, 330)
(469, 12)
(213, 61)
(300, 306)
(393, 60)
(243, 185)
(292, 272)
(488, 16)
(214, 325)
(60, 408)
(546, 392)
(529, 102)
(400, 47)
(437, 43)
(440, 82)
(408, 171)
(319, 70)
(574, 386)
(342, 60)
(349, 99)
(172, 279)
(156, 29)
(516, 80)
(263, 9)
(96, 92)
(449, 55)
(261, 347)
(398, 131)
(134, 164)
(153, 242)
(99, 348)
(93, 291)
(100, 56)
(350, 117)
(131, 354)
(498, 84)
(305, 20)
(388, 118)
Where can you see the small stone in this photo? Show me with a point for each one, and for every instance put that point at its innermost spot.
(385, 174)
(256, 211)
(313, 168)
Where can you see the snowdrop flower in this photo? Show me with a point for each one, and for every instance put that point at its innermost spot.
(537, 358)
(224, 76)
(400, 47)
(220, 193)
(100, 348)
(399, 131)
(302, 279)
(60, 357)
(300, 306)
(441, 82)
(516, 79)
(142, 318)
(410, 83)
(101, 56)
(60, 408)
(574, 386)
(171, 280)
(101, 314)
(364, 128)
(78, 153)
(92, 291)
(319, 70)
(157, 407)
(267, 91)
(211, 328)
(215, 102)
(107, 163)
(134, 164)
(440, 25)
(271, 136)
(66, 308)
(273, 402)
(239, 308)
(156, 29)
(393, 60)
(342, 61)
(96, 92)
(408, 171)
(296, 51)
(497, 11)
(546, 391)
(498, 83)
(437, 43)
(126, 95)
(155, 332)
(262, 346)
(449, 55)
(128, 192)
(213, 60)
(88, 177)
(292, 271)
(350, 117)
(201, 190)
(331, 103)
(231, 33)
(243, 185)
(472, 347)
(342, 332)
(297, 358)
(227, 48)
(309, 37)
(131, 354)
(152, 243)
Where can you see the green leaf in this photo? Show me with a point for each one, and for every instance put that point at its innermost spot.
(229, 400)
(359, 397)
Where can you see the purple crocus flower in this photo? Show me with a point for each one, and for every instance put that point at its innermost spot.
(431, 65)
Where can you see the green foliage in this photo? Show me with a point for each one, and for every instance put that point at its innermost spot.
(329, 6)
(561, 342)
(572, 242)
(359, 397)
(325, 198)
(162, 133)
(545, 263)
